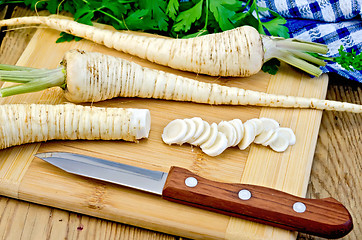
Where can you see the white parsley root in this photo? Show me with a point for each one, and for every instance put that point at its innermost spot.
(28, 123)
(237, 52)
(215, 138)
(92, 77)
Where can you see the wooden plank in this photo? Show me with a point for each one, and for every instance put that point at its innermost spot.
(341, 181)
(337, 167)
(232, 169)
(186, 157)
(283, 171)
(12, 168)
(15, 41)
(24, 220)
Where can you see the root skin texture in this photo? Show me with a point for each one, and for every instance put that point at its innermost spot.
(93, 77)
(28, 123)
(237, 52)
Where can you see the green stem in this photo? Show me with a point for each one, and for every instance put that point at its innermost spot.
(298, 53)
(207, 15)
(316, 55)
(309, 58)
(10, 2)
(295, 44)
(14, 67)
(111, 16)
(23, 76)
(47, 79)
(294, 61)
(245, 6)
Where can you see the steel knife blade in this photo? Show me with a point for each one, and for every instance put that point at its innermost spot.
(320, 217)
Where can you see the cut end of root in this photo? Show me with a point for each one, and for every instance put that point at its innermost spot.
(142, 122)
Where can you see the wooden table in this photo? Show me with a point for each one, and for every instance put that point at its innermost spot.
(336, 171)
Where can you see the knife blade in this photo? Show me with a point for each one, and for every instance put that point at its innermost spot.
(320, 217)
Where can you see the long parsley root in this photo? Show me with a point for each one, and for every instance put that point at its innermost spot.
(91, 77)
(238, 52)
(28, 123)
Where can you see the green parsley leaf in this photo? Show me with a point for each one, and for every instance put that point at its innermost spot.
(65, 37)
(52, 6)
(247, 18)
(34, 4)
(186, 18)
(172, 9)
(251, 17)
(116, 8)
(158, 12)
(222, 14)
(87, 18)
(67, 6)
(82, 11)
(137, 21)
(275, 26)
(349, 60)
(271, 66)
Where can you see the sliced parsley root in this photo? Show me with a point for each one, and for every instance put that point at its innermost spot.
(92, 77)
(237, 52)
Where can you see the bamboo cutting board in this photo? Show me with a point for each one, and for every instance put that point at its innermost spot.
(24, 177)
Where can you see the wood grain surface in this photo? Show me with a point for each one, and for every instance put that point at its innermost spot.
(336, 170)
(323, 217)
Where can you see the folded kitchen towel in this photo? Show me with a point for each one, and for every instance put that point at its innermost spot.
(331, 22)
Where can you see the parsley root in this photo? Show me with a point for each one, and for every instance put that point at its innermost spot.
(28, 123)
(238, 52)
(91, 77)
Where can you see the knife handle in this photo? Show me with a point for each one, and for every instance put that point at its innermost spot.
(320, 217)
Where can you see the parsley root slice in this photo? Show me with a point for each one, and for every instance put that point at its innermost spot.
(28, 123)
(238, 52)
(214, 138)
(92, 77)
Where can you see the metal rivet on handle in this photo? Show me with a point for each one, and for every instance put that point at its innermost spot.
(299, 207)
(244, 194)
(191, 182)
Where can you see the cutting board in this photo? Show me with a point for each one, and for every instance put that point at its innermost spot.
(25, 177)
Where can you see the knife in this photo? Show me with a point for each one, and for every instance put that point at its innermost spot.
(320, 217)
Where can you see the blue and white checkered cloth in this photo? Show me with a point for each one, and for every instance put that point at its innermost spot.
(331, 22)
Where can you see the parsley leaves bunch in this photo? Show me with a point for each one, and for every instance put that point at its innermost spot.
(174, 18)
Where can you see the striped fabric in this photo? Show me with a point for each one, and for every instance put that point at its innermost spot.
(331, 22)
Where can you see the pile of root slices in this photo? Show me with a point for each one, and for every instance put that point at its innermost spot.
(214, 138)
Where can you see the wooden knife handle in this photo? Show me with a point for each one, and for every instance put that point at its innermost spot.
(320, 217)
